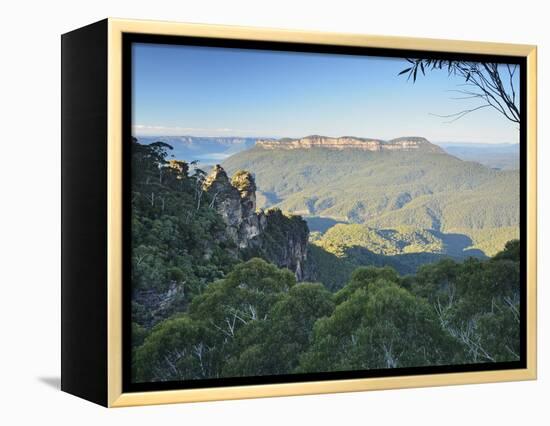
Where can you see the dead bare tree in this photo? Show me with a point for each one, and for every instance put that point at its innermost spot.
(494, 85)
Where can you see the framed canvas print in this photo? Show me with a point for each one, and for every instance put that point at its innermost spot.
(253, 212)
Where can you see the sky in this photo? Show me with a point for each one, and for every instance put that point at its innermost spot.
(206, 91)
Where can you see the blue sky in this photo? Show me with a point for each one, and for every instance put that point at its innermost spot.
(181, 90)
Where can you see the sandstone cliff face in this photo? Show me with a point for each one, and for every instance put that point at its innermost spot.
(271, 235)
(349, 142)
(236, 203)
(284, 242)
(160, 304)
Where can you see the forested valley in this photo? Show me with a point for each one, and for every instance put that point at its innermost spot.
(206, 305)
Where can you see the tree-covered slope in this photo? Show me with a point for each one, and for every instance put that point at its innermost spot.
(189, 229)
(258, 321)
(426, 190)
(334, 254)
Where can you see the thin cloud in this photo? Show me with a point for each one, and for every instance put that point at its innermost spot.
(147, 129)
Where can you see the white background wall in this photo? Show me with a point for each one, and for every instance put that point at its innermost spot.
(30, 199)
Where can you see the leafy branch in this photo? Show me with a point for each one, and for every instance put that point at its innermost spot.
(494, 85)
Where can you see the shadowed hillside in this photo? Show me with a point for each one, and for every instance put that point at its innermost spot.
(423, 188)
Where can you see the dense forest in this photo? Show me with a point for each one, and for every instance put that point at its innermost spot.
(424, 189)
(202, 307)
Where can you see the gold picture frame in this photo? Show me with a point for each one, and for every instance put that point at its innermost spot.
(115, 397)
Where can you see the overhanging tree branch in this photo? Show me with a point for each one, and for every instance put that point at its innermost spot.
(485, 81)
(460, 114)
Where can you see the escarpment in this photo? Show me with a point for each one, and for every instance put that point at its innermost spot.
(412, 143)
(236, 203)
(269, 234)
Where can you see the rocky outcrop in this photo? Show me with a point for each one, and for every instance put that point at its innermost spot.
(156, 305)
(271, 235)
(284, 242)
(235, 201)
(350, 142)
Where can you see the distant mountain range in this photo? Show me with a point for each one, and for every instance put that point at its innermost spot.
(206, 150)
(503, 156)
(213, 150)
(351, 142)
(402, 202)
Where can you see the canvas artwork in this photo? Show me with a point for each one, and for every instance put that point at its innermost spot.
(304, 215)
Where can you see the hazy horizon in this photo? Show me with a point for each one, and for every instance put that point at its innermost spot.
(207, 91)
(437, 142)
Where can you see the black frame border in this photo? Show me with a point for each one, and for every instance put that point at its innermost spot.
(130, 38)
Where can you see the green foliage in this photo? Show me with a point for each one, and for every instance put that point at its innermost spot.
(273, 346)
(347, 246)
(280, 230)
(258, 321)
(447, 313)
(177, 349)
(389, 190)
(139, 334)
(511, 251)
(327, 268)
(490, 240)
(199, 312)
(242, 180)
(255, 321)
(362, 277)
(477, 303)
(375, 327)
(388, 242)
(244, 295)
(242, 300)
(178, 243)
